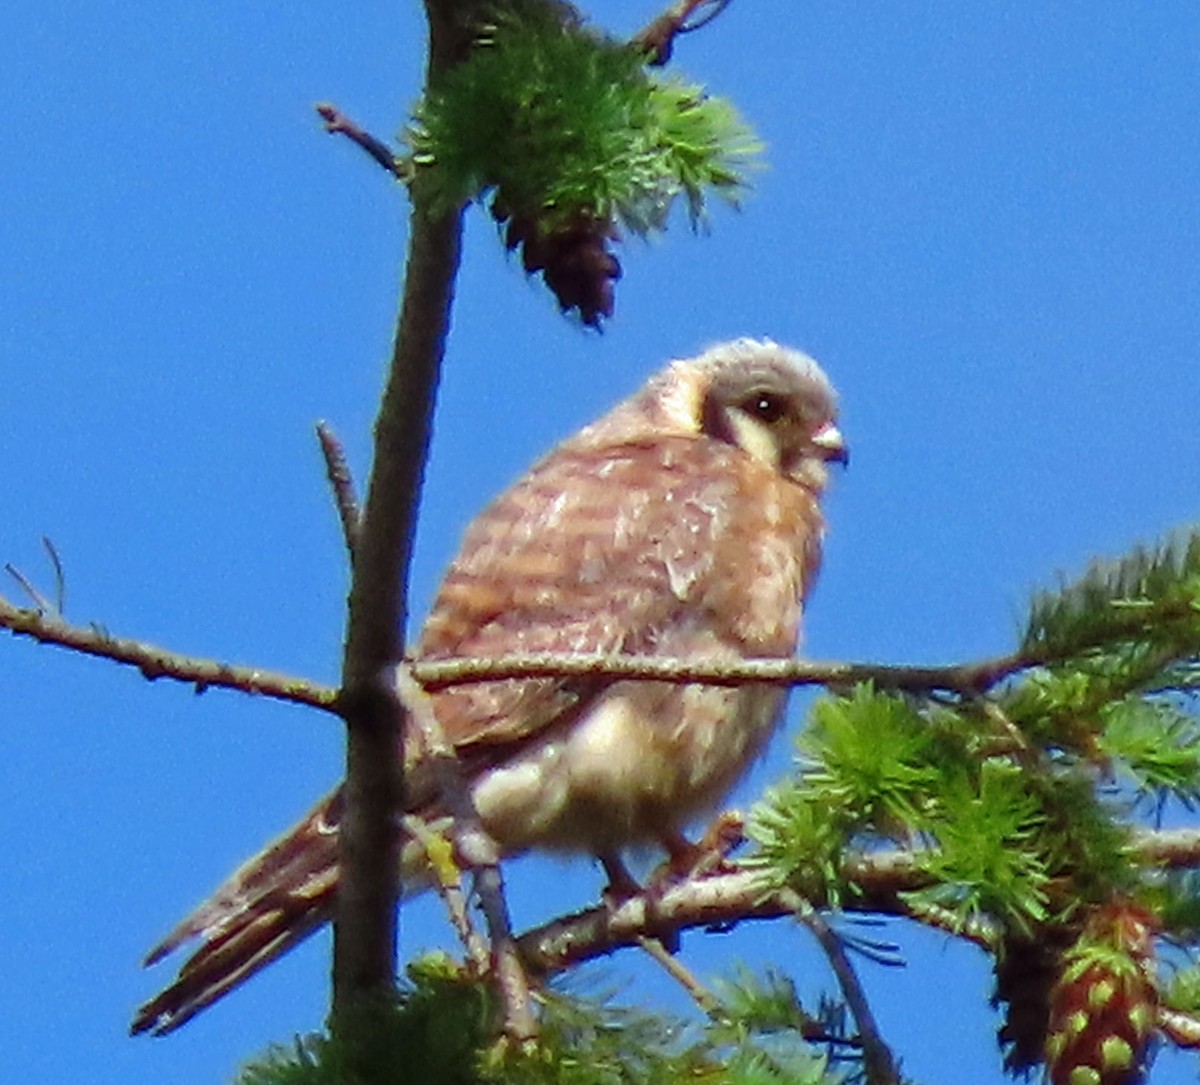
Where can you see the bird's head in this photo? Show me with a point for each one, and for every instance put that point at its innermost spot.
(773, 403)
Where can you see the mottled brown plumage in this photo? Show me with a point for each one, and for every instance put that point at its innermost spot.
(684, 523)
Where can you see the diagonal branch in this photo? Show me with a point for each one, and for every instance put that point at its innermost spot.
(878, 1060)
(336, 122)
(155, 662)
(879, 881)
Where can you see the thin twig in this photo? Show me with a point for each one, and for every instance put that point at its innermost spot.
(60, 579)
(337, 122)
(1182, 1028)
(35, 596)
(337, 470)
(701, 995)
(878, 1061)
(481, 854)
(968, 679)
(155, 662)
(451, 891)
(658, 37)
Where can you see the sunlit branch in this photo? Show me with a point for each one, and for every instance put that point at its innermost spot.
(879, 881)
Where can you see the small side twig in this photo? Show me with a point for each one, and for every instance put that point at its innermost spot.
(481, 855)
(60, 578)
(36, 597)
(451, 891)
(337, 121)
(878, 1061)
(658, 37)
(682, 975)
(337, 470)
(1182, 1028)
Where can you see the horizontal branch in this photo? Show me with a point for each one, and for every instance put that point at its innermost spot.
(957, 678)
(434, 674)
(155, 662)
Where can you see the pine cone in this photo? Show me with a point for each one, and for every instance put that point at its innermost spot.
(1026, 971)
(1102, 1010)
(574, 259)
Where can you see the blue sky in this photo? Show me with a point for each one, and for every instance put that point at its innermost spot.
(982, 218)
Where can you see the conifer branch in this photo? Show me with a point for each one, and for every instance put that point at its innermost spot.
(878, 882)
(964, 678)
(1150, 595)
(155, 662)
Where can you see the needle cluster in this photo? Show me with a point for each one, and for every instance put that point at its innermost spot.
(573, 138)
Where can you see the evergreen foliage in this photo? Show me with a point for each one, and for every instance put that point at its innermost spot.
(445, 1028)
(1017, 802)
(572, 136)
(565, 121)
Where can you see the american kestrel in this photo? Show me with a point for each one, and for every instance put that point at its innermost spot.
(684, 523)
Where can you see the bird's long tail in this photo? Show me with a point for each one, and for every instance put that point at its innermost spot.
(272, 902)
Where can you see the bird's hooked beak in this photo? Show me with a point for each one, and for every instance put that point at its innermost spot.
(831, 445)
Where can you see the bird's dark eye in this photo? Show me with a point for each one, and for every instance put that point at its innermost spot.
(767, 406)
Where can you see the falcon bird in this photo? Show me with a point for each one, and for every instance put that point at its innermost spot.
(684, 523)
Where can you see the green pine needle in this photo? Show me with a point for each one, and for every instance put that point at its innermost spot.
(444, 1030)
(762, 1003)
(801, 842)
(987, 860)
(1157, 745)
(1149, 597)
(567, 124)
(874, 755)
